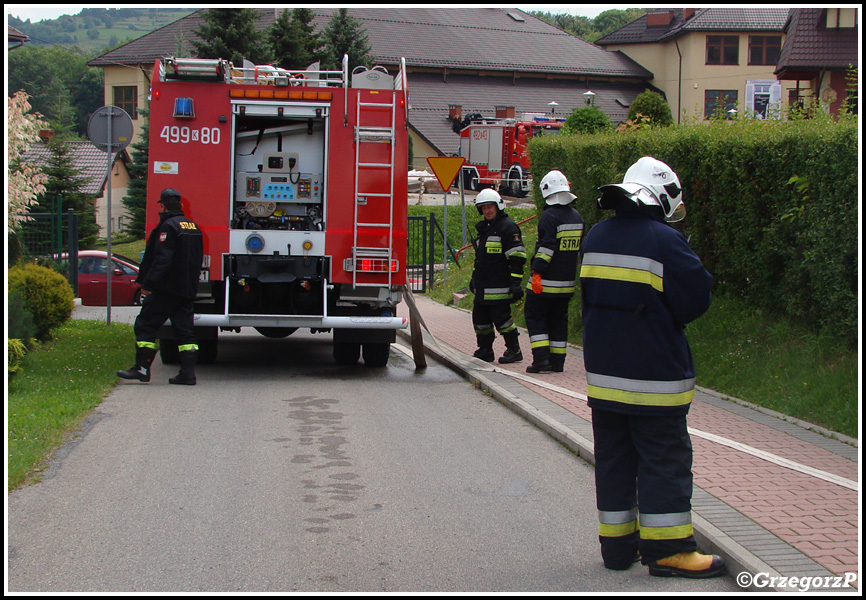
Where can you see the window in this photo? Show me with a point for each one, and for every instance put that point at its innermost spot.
(126, 97)
(723, 50)
(764, 49)
(718, 102)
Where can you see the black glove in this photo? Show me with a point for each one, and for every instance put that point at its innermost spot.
(516, 291)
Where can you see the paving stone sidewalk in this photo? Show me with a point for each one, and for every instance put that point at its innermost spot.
(772, 494)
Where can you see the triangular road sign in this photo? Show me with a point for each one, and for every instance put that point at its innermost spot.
(446, 168)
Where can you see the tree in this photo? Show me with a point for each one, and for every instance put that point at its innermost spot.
(57, 78)
(587, 119)
(136, 192)
(293, 40)
(653, 107)
(231, 33)
(26, 181)
(345, 35)
(65, 182)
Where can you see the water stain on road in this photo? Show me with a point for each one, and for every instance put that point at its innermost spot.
(329, 483)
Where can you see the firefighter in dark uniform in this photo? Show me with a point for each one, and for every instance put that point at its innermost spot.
(553, 273)
(169, 275)
(496, 279)
(641, 284)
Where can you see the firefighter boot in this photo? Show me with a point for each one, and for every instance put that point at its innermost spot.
(693, 565)
(540, 360)
(485, 347)
(512, 348)
(557, 363)
(141, 369)
(187, 369)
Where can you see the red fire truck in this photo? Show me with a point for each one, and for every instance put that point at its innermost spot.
(298, 182)
(496, 151)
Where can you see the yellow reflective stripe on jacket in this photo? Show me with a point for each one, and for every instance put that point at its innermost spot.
(151, 345)
(617, 523)
(671, 526)
(552, 286)
(638, 392)
(544, 254)
(617, 267)
(516, 251)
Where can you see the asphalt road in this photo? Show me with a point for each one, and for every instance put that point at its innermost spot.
(281, 472)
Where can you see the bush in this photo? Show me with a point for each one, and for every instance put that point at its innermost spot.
(47, 296)
(587, 119)
(652, 106)
(19, 321)
(16, 351)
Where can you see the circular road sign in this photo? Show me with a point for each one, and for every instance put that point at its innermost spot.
(110, 129)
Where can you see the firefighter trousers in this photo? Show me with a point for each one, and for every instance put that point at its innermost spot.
(547, 325)
(486, 317)
(156, 309)
(643, 483)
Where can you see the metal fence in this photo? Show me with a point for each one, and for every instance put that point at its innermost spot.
(49, 235)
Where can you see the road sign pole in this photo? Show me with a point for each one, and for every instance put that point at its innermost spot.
(446, 169)
(108, 270)
(110, 137)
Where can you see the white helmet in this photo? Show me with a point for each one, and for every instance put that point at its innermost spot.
(488, 195)
(555, 189)
(652, 183)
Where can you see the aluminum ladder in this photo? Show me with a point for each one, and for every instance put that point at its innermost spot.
(365, 136)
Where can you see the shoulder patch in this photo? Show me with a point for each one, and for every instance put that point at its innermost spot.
(162, 236)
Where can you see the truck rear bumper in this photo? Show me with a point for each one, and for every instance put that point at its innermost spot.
(204, 320)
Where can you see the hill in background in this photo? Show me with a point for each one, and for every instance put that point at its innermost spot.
(94, 29)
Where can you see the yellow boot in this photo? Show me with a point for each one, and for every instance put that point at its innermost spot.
(688, 564)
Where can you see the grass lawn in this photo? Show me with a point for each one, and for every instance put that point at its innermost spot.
(58, 386)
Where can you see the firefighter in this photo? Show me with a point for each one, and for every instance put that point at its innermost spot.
(553, 271)
(496, 278)
(168, 275)
(641, 284)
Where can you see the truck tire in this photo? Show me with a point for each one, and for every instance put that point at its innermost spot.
(347, 353)
(376, 354)
(514, 184)
(168, 352)
(207, 352)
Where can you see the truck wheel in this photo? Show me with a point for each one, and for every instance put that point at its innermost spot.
(514, 183)
(168, 352)
(207, 352)
(347, 353)
(376, 354)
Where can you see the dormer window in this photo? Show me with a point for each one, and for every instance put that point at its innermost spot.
(840, 18)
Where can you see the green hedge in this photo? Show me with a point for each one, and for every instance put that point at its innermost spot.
(788, 247)
(47, 295)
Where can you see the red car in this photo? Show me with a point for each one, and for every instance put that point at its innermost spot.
(93, 277)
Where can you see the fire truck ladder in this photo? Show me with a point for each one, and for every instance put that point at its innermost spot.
(365, 136)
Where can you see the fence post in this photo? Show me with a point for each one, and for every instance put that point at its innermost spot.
(72, 249)
(432, 246)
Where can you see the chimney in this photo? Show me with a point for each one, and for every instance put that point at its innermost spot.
(688, 13)
(659, 19)
(46, 135)
(504, 112)
(455, 111)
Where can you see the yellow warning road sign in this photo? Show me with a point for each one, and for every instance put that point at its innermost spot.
(446, 168)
